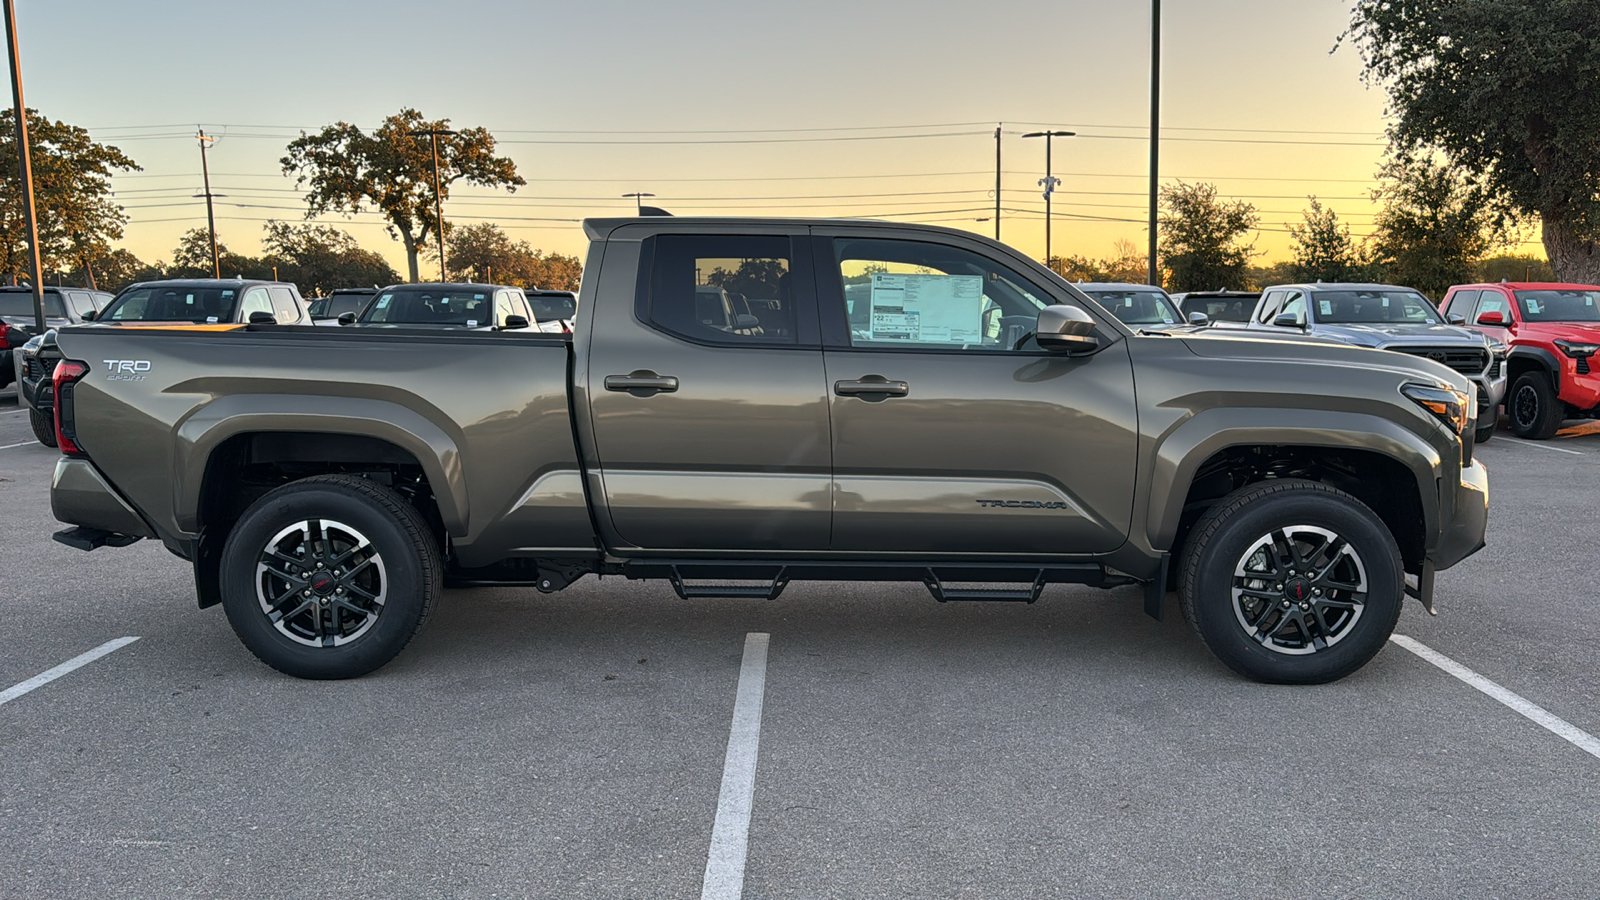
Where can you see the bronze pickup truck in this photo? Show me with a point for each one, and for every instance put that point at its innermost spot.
(748, 402)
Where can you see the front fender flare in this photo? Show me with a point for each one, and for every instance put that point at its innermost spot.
(1543, 357)
(1184, 448)
(199, 435)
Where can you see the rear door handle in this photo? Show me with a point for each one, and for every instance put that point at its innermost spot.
(642, 383)
(871, 385)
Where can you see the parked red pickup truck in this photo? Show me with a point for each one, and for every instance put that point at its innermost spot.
(1553, 330)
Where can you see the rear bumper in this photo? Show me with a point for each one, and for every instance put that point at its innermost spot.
(1464, 534)
(80, 496)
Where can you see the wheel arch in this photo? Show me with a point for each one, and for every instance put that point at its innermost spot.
(1524, 359)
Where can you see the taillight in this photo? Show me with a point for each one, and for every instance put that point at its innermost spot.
(63, 380)
(15, 337)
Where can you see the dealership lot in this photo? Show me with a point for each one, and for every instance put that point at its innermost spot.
(573, 745)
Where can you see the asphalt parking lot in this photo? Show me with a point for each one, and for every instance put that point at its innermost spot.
(573, 745)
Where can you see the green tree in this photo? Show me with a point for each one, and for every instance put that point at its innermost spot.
(1202, 238)
(1323, 249)
(489, 254)
(1436, 223)
(1515, 267)
(192, 259)
(115, 271)
(391, 171)
(1126, 264)
(320, 258)
(77, 218)
(1509, 90)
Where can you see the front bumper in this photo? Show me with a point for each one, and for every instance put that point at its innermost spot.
(33, 381)
(1491, 395)
(1464, 533)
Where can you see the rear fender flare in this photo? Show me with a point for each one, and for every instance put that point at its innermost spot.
(1185, 448)
(199, 435)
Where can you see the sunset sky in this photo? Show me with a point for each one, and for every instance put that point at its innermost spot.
(857, 108)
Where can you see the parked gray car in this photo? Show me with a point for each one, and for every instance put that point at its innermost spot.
(1388, 317)
(874, 416)
(1138, 305)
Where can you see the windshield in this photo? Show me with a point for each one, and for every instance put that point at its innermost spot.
(1138, 307)
(199, 305)
(466, 307)
(1559, 306)
(1375, 307)
(13, 303)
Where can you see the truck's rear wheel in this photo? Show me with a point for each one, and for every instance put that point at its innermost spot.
(1292, 582)
(44, 427)
(329, 577)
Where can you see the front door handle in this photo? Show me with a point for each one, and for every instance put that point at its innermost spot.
(642, 383)
(872, 386)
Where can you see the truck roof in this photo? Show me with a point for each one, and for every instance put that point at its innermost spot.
(599, 228)
(1532, 286)
(208, 282)
(453, 285)
(1342, 286)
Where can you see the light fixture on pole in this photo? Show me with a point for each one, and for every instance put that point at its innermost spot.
(1049, 181)
(638, 200)
(433, 135)
(25, 164)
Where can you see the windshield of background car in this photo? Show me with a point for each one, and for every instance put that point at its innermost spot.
(1138, 307)
(200, 305)
(463, 307)
(13, 303)
(1559, 306)
(1373, 308)
(1222, 309)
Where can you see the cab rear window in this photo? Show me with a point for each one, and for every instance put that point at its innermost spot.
(14, 303)
(200, 305)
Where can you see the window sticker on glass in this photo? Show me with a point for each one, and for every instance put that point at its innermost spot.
(383, 302)
(1325, 307)
(472, 323)
(211, 320)
(938, 309)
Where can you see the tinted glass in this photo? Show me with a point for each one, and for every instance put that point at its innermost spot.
(732, 289)
(1460, 303)
(283, 305)
(1150, 307)
(173, 304)
(1559, 306)
(81, 302)
(457, 307)
(1375, 307)
(933, 296)
(1221, 309)
(317, 308)
(16, 303)
(550, 306)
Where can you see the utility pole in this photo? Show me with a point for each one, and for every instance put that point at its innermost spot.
(997, 180)
(1155, 132)
(433, 134)
(25, 163)
(1048, 182)
(638, 200)
(211, 217)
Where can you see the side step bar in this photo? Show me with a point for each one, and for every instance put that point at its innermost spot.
(86, 539)
(771, 577)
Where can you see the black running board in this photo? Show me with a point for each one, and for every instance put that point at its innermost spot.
(766, 580)
(86, 539)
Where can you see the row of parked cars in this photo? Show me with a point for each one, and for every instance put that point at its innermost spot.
(229, 303)
(1525, 345)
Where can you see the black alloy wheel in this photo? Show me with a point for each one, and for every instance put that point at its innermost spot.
(1533, 407)
(330, 576)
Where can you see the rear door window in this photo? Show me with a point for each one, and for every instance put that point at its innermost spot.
(731, 289)
(1460, 304)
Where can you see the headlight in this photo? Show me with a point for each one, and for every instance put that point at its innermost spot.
(1577, 350)
(1497, 348)
(33, 344)
(1450, 406)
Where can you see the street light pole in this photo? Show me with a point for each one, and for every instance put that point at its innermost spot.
(997, 181)
(1049, 181)
(1155, 131)
(638, 200)
(433, 134)
(211, 219)
(25, 163)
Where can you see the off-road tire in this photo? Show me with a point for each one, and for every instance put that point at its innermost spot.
(400, 537)
(1533, 407)
(1219, 543)
(44, 427)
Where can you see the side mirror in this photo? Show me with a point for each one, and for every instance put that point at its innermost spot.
(515, 321)
(347, 318)
(1199, 318)
(746, 321)
(262, 318)
(1288, 320)
(1492, 317)
(89, 316)
(1066, 329)
(1456, 319)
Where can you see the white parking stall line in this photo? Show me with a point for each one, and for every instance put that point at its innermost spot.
(1546, 447)
(730, 834)
(77, 662)
(1556, 725)
(23, 444)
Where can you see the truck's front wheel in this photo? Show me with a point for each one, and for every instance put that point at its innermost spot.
(329, 577)
(1292, 582)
